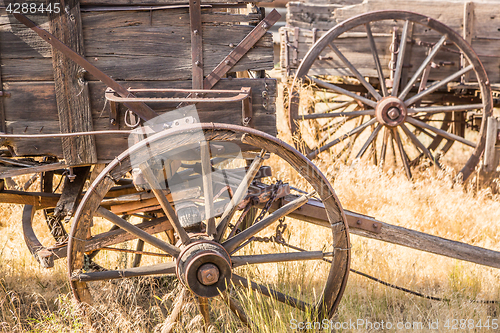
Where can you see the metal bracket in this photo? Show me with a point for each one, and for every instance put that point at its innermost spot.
(246, 108)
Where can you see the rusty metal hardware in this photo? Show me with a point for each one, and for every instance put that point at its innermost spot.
(242, 94)
(144, 111)
(194, 96)
(4, 94)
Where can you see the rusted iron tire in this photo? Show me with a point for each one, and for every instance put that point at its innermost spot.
(219, 251)
(417, 122)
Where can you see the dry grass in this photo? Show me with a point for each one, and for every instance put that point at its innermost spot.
(39, 300)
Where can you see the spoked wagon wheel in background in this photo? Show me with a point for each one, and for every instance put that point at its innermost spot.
(198, 183)
(422, 101)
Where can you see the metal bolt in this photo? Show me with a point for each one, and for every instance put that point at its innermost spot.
(265, 25)
(208, 274)
(231, 45)
(197, 63)
(112, 121)
(195, 32)
(393, 113)
(358, 222)
(375, 226)
(227, 62)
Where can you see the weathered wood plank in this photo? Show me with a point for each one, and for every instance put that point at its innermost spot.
(425, 242)
(37, 98)
(148, 55)
(37, 199)
(72, 93)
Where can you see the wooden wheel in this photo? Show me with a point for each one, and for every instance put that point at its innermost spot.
(425, 92)
(197, 178)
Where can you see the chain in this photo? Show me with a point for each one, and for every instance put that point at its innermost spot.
(280, 228)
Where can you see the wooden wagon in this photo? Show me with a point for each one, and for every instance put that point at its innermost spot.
(109, 107)
(425, 69)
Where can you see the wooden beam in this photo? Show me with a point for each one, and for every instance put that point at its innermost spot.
(425, 242)
(72, 93)
(196, 43)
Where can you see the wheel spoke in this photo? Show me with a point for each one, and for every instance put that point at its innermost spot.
(437, 85)
(422, 67)
(235, 241)
(449, 108)
(342, 138)
(419, 144)
(400, 60)
(342, 91)
(236, 309)
(356, 73)
(338, 114)
(402, 153)
(138, 256)
(278, 257)
(376, 58)
(163, 269)
(280, 297)
(369, 141)
(204, 307)
(156, 242)
(206, 170)
(383, 150)
(440, 132)
(163, 201)
(239, 194)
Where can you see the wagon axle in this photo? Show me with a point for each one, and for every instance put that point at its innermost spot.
(205, 268)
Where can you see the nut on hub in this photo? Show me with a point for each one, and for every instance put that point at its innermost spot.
(391, 111)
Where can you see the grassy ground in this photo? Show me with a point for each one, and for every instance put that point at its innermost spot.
(39, 300)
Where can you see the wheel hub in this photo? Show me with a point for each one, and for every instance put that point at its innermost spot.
(391, 111)
(205, 268)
